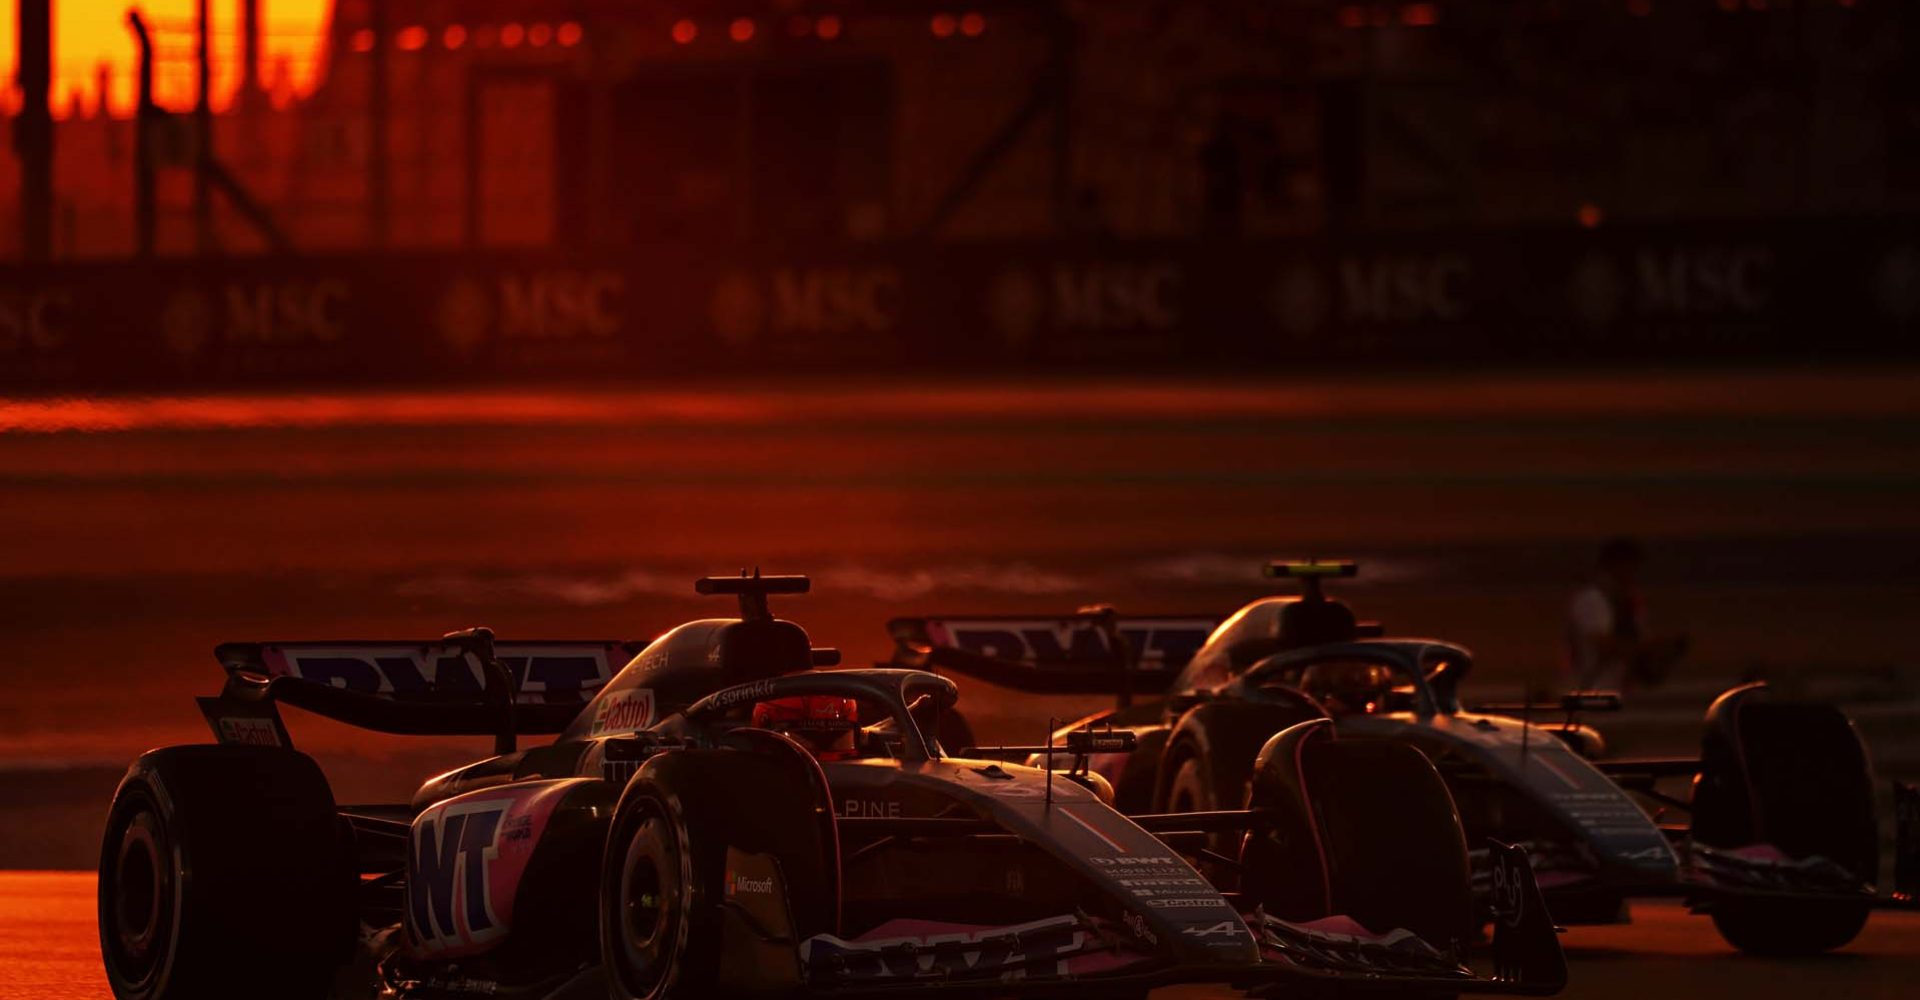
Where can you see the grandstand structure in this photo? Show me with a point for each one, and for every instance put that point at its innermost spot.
(488, 124)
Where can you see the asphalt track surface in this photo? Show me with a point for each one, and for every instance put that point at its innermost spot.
(48, 952)
(1783, 510)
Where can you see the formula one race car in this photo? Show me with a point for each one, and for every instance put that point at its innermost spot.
(1781, 847)
(720, 818)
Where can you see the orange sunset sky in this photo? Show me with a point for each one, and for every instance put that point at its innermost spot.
(89, 33)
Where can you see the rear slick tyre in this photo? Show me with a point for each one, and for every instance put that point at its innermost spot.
(223, 876)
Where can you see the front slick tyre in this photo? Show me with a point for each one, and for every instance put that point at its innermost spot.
(223, 876)
(658, 929)
(1785, 928)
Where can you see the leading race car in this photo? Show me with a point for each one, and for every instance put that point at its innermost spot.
(1781, 846)
(720, 818)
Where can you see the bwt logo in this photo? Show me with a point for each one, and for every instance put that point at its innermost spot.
(1164, 647)
(449, 897)
(421, 671)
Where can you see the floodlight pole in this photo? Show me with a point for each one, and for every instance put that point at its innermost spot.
(203, 129)
(33, 128)
(145, 115)
(379, 149)
(250, 91)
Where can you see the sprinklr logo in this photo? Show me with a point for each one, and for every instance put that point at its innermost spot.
(740, 884)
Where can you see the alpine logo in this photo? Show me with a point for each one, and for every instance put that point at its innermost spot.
(1225, 928)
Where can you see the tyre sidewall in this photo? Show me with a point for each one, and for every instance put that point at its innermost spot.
(686, 968)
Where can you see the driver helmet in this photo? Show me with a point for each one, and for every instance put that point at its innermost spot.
(1349, 688)
(822, 723)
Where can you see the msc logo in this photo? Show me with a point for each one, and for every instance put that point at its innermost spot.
(285, 312)
(806, 301)
(1404, 289)
(553, 305)
(449, 897)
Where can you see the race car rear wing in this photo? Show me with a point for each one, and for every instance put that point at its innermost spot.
(1094, 651)
(464, 684)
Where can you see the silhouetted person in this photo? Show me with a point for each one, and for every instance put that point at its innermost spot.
(1609, 646)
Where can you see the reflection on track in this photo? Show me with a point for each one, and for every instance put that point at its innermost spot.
(48, 952)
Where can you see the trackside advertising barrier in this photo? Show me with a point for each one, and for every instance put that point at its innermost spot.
(1827, 290)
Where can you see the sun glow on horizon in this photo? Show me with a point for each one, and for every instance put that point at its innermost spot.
(88, 34)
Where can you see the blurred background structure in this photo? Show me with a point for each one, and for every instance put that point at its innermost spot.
(1065, 260)
(576, 185)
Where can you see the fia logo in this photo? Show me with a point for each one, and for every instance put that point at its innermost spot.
(1143, 930)
(1509, 896)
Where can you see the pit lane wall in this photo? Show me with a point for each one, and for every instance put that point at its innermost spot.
(1826, 290)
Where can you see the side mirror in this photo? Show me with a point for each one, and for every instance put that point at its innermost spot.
(1591, 701)
(1185, 701)
(1082, 742)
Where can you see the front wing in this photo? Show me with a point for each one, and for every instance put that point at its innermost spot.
(1077, 955)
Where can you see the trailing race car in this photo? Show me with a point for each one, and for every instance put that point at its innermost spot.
(721, 818)
(1781, 846)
